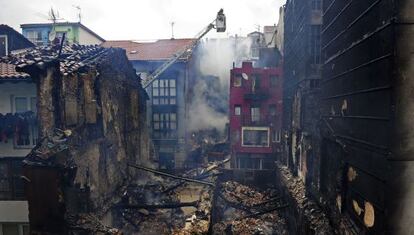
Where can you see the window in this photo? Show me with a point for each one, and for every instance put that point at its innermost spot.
(35, 37)
(276, 136)
(237, 80)
(272, 110)
(33, 104)
(4, 50)
(24, 104)
(247, 162)
(11, 185)
(14, 229)
(316, 4)
(273, 80)
(25, 131)
(164, 92)
(315, 44)
(255, 113)
(237, 110)
(164, 125)
(255, 82)
(20, 104)
(255, 137)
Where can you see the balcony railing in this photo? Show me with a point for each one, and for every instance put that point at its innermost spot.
(257, 94)
(257, 120)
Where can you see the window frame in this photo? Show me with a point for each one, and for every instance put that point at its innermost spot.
(15, 188)
(238, 108)
(267, 129)
(6, 42)
(165, 94)
(32, 129)
(255, 117)
(237, 80)
(166, 126)
(276, 136)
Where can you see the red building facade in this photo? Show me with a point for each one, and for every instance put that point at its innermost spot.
(255, 116)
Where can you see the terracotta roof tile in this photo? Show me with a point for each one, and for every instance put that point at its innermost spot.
(8, 71)
(158, 50)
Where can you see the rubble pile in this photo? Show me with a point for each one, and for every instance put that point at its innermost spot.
(245, 210)
(166, 205)
(90, 224)
(316, 219)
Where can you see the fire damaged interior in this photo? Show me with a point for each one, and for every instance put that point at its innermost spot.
(299, 127)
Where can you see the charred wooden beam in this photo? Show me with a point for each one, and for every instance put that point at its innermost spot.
(265, 211)
(200, 177)
(170, 175)
(162, 206)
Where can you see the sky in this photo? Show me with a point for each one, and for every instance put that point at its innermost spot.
(146, 19)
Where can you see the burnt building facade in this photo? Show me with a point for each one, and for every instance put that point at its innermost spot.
(366, 155)
(302, 74)
(91, 124)
(255, 116)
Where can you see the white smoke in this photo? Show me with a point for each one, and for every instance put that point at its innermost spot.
(215, 58)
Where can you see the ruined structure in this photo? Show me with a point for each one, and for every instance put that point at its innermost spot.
(366, 156)
(94, 95)
(348, 135)
(302, 72)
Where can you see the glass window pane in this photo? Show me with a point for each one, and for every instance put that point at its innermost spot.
(155, 83)
(25, 229)
(10, 229)
(162, 92)
(155, 91)
(173, 101)
(156, 125)
(20, 104)
(237, 82)
(172, 91)
(255, 114)
(237, 110)
(172, 83)
(156, 116)
(173, 125)
(156, 101)
(173, 117)
(33, 106)
(162, 83)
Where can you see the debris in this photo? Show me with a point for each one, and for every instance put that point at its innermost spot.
(169, 175)
(243, 209)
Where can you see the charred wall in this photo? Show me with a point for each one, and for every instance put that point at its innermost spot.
(302, 73)
(103, 105)
(365, 111)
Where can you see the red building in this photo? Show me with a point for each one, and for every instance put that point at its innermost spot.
(255, 116)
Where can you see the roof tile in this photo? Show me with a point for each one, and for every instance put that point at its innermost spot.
(8, 71)
(162, 49)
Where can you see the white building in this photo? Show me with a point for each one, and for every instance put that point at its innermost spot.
(18, 134)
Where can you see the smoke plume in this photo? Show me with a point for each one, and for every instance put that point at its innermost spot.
(215, 58)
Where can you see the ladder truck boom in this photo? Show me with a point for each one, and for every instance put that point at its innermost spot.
(219, 23)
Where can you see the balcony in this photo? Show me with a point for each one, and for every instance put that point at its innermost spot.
(257, 120)
(258, 94)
